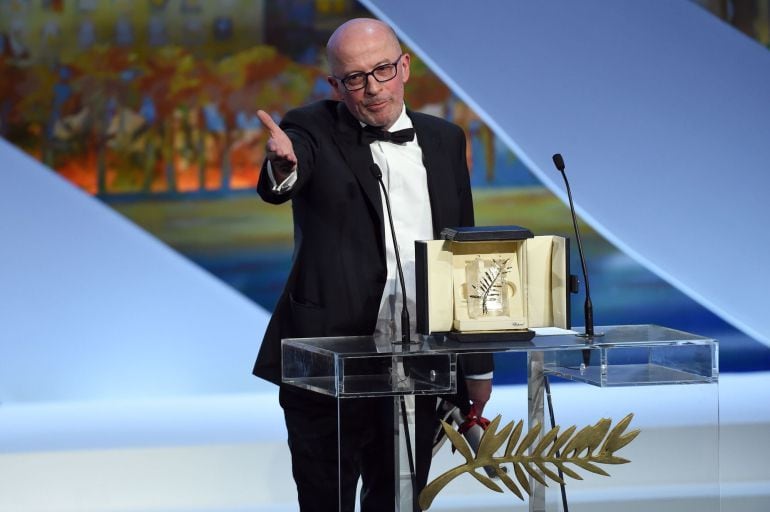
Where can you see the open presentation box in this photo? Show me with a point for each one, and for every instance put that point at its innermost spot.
(493, 282)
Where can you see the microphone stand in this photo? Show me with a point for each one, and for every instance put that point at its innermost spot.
(405, 337)
(563, 487)
(588, 308)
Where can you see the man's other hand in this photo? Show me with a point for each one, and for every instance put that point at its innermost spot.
(479, 392)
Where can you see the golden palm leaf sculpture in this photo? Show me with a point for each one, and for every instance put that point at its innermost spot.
(592, 445)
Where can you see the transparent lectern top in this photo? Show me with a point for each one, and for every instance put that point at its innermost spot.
(628, 355)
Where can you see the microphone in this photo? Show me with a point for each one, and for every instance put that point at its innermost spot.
(375, 169)
(588, 307)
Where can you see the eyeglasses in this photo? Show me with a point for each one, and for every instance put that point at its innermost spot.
(382, 73)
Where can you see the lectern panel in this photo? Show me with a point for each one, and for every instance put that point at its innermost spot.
(363, 366)
(638, 356)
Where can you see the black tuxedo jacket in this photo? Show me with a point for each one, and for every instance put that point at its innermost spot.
(339, 270)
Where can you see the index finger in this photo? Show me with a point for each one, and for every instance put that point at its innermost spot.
(268, 123)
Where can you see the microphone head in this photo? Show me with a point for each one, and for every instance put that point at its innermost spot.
(375, 169)
(558, 161)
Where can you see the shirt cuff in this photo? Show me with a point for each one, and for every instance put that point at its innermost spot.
(286, 184)
(480, 376)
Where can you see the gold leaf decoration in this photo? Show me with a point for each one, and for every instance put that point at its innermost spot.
(590, 446)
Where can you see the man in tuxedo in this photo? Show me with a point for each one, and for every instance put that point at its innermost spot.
(343, 279)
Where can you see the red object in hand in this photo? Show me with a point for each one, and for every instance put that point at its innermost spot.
(472, 419)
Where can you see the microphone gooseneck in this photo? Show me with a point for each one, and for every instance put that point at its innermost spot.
(588, 306)
(375, 170)
(405, 338)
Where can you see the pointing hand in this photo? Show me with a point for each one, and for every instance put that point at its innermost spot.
(280, 150)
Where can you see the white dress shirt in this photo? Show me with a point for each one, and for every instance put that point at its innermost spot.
(406, 181)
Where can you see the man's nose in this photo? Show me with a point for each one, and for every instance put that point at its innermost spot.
(372, 85)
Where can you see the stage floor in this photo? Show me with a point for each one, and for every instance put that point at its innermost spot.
(227, 453)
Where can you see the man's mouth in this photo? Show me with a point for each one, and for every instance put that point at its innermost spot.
(376, 105)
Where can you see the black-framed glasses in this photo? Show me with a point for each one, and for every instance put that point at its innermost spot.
(382, 73)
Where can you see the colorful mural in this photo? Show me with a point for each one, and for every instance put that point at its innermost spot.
(149, 105)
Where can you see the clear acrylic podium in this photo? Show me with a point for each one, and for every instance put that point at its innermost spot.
(635, 368)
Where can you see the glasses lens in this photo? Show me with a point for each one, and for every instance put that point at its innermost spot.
(355, 81)
(385, 72)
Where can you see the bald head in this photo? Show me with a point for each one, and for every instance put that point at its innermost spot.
(369, 49)
(353, 34)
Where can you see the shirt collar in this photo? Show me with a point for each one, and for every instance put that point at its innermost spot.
(403, 122)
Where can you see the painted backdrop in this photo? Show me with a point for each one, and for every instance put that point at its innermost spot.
(149, 105)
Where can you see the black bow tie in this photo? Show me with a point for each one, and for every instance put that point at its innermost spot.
(370, 134)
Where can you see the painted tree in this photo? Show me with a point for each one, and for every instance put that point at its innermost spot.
(101, 86)
(169, 81)
(255, 78)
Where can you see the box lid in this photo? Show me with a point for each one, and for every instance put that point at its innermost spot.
(484, 233)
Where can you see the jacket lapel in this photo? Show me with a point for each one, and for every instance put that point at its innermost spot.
(359, 158)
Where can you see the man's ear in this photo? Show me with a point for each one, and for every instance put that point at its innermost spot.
(336, 95)
(404, 63)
